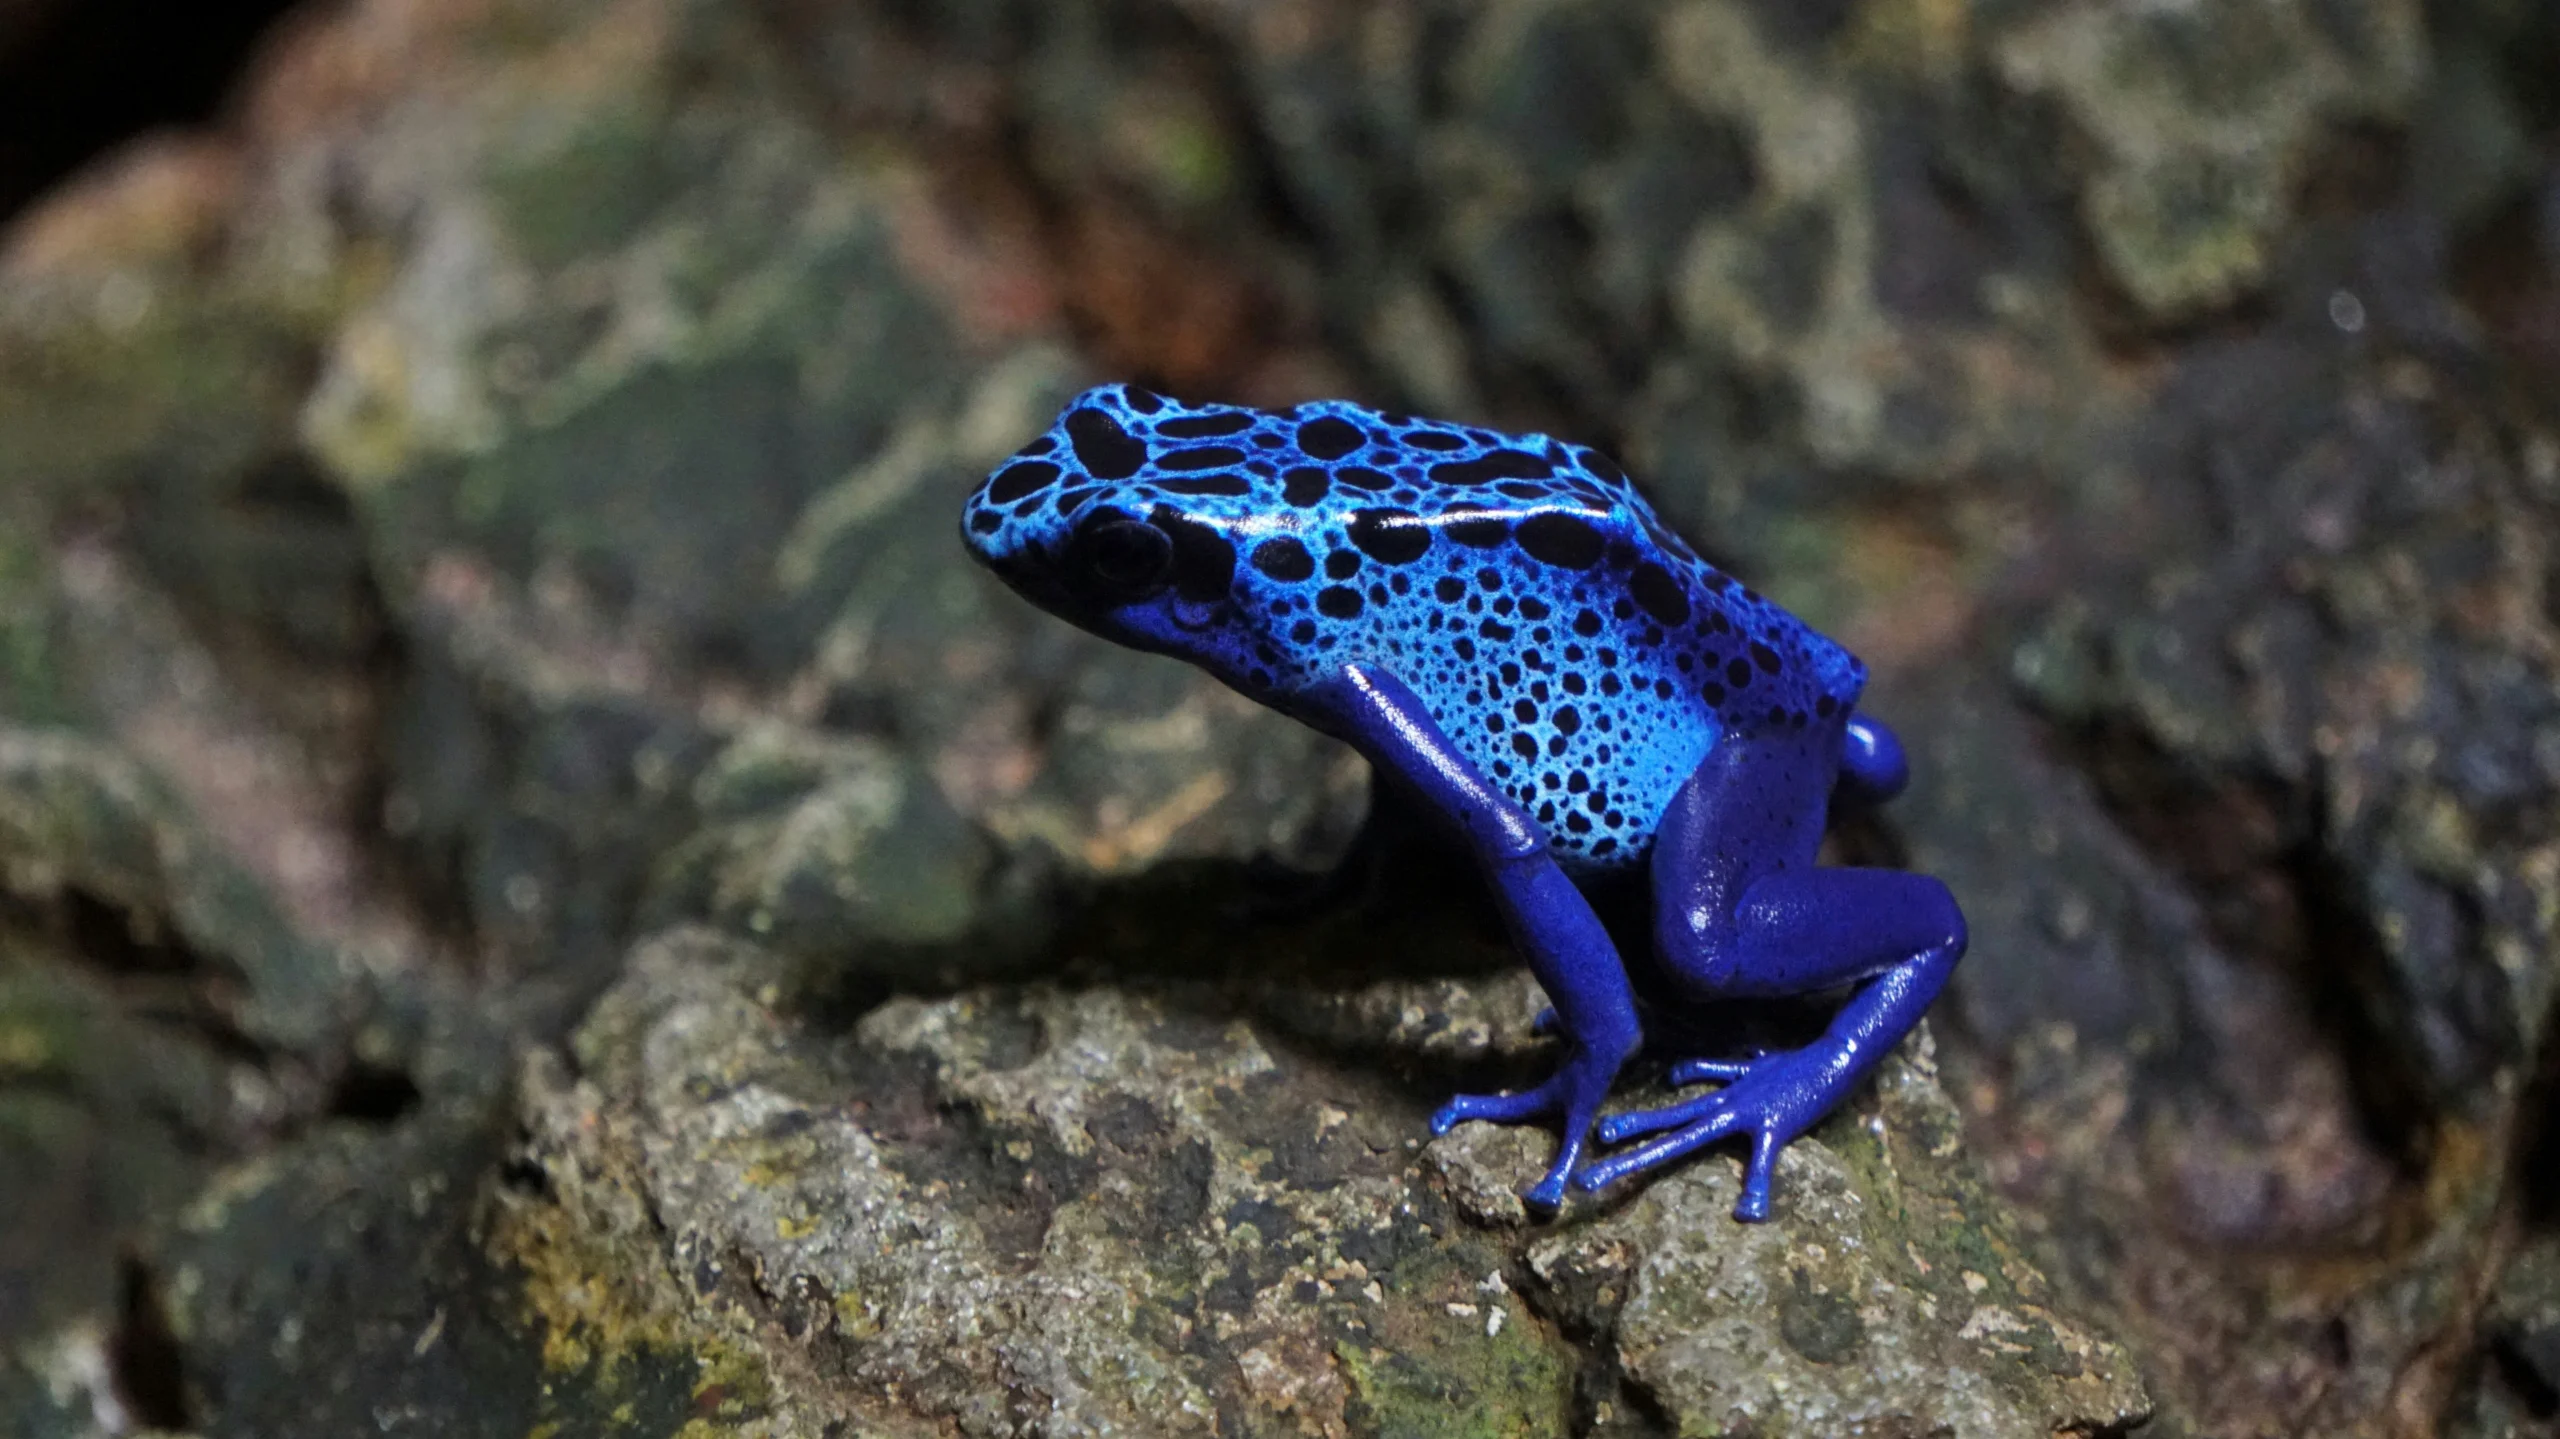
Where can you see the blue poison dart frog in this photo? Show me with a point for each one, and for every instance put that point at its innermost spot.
(1503, 627)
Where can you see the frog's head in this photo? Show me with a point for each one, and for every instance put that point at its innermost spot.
(1088, 524)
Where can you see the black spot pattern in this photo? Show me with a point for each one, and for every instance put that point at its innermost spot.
(1486, 468)
(1395, 537)
(1659, 594)
(1561, 538)
(1285, 560)
(1207, 457)
(1207, 485)
(1204, 560)
(1329, 437)
(1104, 449)
(1025, 477)
(1208, 426)
(1476, 527)
(1571, 647)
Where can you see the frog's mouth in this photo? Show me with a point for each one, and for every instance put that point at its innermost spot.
(1030, 573)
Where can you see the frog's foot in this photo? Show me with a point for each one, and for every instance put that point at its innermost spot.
(1552, 1097)
(1780, 1097)
(1618, 1128)
(1573, 1092)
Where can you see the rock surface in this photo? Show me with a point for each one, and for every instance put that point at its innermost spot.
(538, 891)
(1119, 1208)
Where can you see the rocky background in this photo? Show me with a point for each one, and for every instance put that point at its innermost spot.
(539, 895)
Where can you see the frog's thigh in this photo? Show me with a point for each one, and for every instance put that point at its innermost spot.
(1741, 909)
(1813, 929)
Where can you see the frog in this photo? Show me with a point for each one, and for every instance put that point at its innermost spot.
(1515, 641)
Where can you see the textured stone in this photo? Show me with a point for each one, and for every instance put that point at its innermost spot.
(2204, 121)
(1067, 1210)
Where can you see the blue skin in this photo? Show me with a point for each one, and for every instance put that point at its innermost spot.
(1503, 627)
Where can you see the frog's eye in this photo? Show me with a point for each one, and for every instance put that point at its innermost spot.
(1117, 560)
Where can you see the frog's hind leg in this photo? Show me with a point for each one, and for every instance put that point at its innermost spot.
(1742, 912)
(1798, 932)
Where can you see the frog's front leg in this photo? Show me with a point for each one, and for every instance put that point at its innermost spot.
(1743, 911)
(1566, 946)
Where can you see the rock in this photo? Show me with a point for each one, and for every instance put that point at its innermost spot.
(159, 1020)
(1891, 1292)
(339, 1284)
(2522, 1324)
(636, 249)
(1065, 1210)
(2201, 124)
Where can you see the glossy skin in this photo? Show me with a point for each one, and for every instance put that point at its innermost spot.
(1503, 627)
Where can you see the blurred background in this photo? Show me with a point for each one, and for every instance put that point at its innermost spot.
(538, 888)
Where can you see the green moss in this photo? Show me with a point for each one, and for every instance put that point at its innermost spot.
(31, 682)
(589, 188)
(1506, 1385)
(2185, 234)
(621, 1352)
(1439, 1363)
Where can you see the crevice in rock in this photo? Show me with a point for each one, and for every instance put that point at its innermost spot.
(2531, 1376)
(2268, 892)
(2506, 272)
(154, 974)
(373, 1093)
(523, 1174)
(2347, 986)
(116, 942)
(2533, 1159)
(1608, 1403)
(274, 577)
(145, 1360)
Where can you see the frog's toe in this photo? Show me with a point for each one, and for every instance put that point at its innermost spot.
(1496, 1108)
(1547, 1195)
(1617, 1128)
(1721, 1122)
(1753, 1206)
(1768, 1108)
(1711, 1071)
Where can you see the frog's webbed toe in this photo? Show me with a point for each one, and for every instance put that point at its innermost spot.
(1696, 1123)
(1573, 1094)
(1775, 1099)
(1518, 1108)
(1618, 1128)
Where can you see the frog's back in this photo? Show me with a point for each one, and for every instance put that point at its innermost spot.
(1576, 650)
